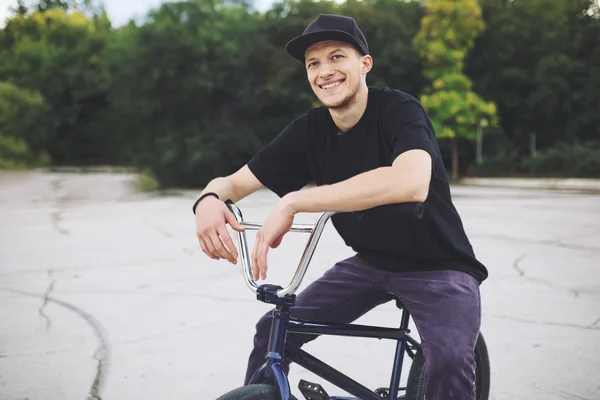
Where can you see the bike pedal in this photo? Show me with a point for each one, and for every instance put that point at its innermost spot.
(312, 391)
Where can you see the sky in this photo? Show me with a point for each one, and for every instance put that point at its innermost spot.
(120, 11)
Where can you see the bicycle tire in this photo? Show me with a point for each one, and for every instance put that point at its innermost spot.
(417, 379)
(254, 392)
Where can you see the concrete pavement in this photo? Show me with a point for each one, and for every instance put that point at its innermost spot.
(104, 293)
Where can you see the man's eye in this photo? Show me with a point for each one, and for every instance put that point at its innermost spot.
(337, 56)
(312, 64)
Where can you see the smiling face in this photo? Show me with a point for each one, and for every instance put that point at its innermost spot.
(336, 72)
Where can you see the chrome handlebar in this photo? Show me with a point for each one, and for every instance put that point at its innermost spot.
(315, 233)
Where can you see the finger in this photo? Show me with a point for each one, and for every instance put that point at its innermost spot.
(229, 244)
(205, 248)
(254, 261)
(262, 259)
(220, 250)
(233, 222)
(211, 247)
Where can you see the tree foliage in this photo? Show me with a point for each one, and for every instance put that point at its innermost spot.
(197, 87)
(447, 33)
(182, 91)
(57, 53)
(23, 128)
(541, 65)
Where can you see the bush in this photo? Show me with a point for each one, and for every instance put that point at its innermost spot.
(497, 166)
(16, 154)
(23, 128)
(577, 160)
(145, 182)
(573, 160)
(24, 116)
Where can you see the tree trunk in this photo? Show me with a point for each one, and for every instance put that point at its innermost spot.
(454, 147)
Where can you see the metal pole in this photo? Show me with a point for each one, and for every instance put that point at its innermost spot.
(479, 142)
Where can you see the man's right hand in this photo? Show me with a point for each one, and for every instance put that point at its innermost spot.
(212, 215)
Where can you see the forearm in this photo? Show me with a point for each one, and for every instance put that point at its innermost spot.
(234, 187)
(226, 189)
(367, 190)
(223, 187)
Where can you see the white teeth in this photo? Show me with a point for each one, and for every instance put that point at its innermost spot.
(331, 85)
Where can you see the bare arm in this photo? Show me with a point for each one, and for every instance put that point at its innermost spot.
(236, 186)
(407, 180)
(212, 215)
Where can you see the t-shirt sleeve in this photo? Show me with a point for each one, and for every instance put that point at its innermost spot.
(281, 165)
(408, 128)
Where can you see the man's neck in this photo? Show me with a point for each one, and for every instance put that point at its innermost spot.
(347, 117)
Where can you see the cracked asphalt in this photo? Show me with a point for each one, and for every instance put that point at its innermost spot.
(105, 294)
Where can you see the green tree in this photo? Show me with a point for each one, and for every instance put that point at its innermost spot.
(57, 53)
(20, 9)
(447, 32)
(390, 27)
(23, 128)
(183, 92)
(541, 65)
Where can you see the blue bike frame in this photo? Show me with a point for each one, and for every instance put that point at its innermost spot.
(273, 371)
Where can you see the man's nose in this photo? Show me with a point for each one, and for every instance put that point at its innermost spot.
(325, 71)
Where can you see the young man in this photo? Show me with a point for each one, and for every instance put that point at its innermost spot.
(367, 150)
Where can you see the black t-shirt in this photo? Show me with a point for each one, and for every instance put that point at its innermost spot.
(388, 237)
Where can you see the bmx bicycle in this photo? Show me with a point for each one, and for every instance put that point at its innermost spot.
(270, 382)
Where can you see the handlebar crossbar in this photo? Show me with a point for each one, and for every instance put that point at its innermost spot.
(315, 231)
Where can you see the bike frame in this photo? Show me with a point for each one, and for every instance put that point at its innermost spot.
(279, 349)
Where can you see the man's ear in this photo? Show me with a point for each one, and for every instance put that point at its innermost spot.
(367, 63)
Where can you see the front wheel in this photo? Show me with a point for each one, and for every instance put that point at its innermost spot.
(417, 380)
(254, 392)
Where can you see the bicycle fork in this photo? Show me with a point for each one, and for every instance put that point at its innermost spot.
(273, 369)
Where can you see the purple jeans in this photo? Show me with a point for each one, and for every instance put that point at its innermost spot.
(445, 307)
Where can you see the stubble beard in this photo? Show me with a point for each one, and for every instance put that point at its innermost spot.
(347, 102)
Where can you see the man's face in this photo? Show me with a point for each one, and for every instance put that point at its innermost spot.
(335, 72)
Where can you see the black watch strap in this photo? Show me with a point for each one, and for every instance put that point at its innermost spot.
(200, 199)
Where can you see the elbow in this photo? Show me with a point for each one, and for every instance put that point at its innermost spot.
(419, 195)
(417, 191)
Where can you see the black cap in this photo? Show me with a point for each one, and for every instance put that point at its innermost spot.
(328, 27)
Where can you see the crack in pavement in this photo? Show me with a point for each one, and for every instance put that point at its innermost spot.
(516, 264)
(540, 281)
(546, 283)
(535, 386)
(539, 242)
(547, 323)
(101, 354)
(96, 267)
(159, 230)
(45, 303)
(113, 344)
(56, 216)
(166, 294)
(543, 282)
(166, 334)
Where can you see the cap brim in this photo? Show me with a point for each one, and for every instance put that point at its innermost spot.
(296, 47)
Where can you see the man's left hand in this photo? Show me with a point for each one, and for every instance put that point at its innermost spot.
(278, 223)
